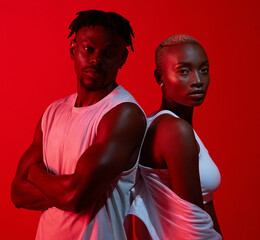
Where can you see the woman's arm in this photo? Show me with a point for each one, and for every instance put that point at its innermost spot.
(175, 144)
(209, 208)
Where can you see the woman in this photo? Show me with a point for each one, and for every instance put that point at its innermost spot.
(175, 200)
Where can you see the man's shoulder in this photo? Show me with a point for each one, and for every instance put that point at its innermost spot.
(122, 95)
(65, 100)
(59, 106)
(126, 113)
(123, 101)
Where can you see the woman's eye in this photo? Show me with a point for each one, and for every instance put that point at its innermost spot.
(204, 70)
(184, 71)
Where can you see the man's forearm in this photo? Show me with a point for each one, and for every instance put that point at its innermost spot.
(56, 188)
(25, 195)
(66, 192)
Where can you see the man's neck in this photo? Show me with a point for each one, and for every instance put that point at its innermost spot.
(89, 97)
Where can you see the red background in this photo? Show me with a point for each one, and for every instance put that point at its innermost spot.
(36, 69)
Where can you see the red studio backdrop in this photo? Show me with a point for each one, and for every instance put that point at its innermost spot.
(36, 69)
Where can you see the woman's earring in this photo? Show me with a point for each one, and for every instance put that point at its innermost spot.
(161, 84)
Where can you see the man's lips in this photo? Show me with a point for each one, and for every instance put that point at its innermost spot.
(94, 72)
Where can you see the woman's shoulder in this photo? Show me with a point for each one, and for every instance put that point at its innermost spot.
(169, 140)
(167, 125)
(170, 136)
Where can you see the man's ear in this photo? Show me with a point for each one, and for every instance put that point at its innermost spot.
(124, 57)
(72, 49)
(158, 76)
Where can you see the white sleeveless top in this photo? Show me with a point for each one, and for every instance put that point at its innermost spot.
(67, 132)
(209, 173)
(167, 216)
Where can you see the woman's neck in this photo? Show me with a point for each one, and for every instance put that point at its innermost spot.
(181, 111)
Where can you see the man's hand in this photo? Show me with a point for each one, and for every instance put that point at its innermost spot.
(34, 170)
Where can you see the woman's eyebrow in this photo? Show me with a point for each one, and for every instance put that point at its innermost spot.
(183, 63)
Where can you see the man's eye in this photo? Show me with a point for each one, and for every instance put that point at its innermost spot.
(88, 49)
(110, 53)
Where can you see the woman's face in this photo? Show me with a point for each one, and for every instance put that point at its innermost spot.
(185, 74)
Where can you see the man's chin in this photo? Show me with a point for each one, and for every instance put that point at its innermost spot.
(91, 84)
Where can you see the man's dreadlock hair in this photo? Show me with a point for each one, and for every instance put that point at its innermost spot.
(110, 20)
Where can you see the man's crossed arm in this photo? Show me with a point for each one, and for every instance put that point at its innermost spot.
(119, 136)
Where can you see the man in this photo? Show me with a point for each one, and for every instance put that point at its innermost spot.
(82, 164)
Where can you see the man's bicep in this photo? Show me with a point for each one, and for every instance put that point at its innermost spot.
(122, 129)
(119, 137)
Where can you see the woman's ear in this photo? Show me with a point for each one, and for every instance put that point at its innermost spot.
(72, 49)
(124, 57)
(158, 76)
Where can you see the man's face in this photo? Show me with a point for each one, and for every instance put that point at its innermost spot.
(98, 53)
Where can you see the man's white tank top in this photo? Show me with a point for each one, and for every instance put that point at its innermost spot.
(67, 132)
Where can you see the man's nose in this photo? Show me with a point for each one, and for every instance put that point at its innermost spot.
(96, 58)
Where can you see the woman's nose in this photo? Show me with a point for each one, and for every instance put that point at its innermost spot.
(196, 80)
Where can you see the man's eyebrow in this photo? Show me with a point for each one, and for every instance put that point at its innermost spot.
(108, 45)
(86, 41)
(112, 45)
